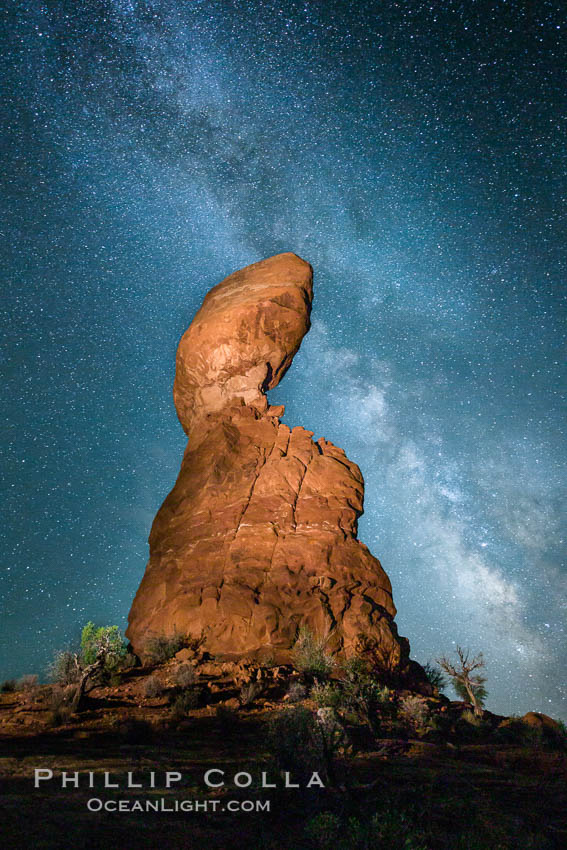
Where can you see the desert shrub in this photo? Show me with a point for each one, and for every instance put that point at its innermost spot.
(310, 657)
(516, 731)
(415, 715)
(29, 682)
(334, 738)
(162, 648)
(363, 694)
(58, 696)
(327, 695)
(249, 692)
(185, 676)
(134, 730)
(435, 676)
(296, 692)
(184, 702)
(512, 731)
(153, 687)
(301, 745)
(389, 829)
(468, 716)
(324, 830)
(8, 687)
(65, 669)
(127, 661)
(59, 716)
(471, 727)
(269, 660)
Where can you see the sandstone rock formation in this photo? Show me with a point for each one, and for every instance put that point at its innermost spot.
(259, 534)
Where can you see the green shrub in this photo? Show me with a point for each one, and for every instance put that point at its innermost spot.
(128, 660)
(468, 716)
(327, 695)
(324, 829)
(435, 676)
(96, 640)
(415, 715)
(480, 692)
(300, 745)
(516, 731)
(310, 657)
(390, 829)
(363, 694)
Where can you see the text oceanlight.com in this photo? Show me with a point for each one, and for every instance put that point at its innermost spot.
(95, 804)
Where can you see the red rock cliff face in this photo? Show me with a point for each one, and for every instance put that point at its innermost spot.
(258, 535)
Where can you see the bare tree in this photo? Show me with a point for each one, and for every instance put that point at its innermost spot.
(462, 675)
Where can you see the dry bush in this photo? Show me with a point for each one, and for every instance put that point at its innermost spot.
(296, 692)
(249, 692)
(29, 682)
(65, 669)
(153, 687)
(184, 702)
(185, 676)
(162, 648)
(59, 716)
(310, 656)
(327, 695)
(300, 744)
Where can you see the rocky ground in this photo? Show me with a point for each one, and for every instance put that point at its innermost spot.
(451, 782)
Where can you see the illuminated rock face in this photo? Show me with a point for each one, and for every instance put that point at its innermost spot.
(258, 535)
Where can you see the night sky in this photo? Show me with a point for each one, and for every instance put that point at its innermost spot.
(415, 154)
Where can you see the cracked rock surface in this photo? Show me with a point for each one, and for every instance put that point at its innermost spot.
(259, 534)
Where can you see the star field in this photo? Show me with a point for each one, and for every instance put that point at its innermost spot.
(414, 153)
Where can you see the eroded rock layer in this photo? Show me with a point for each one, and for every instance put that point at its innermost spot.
(259, 534)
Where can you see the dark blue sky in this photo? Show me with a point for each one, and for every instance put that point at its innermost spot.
(414, 154)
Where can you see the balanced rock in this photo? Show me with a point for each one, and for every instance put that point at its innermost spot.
(259, 534)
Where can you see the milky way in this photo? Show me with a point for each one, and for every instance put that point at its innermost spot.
(414, 154)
